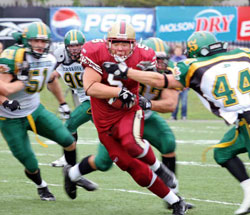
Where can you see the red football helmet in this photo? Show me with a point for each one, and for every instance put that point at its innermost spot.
(121, 32)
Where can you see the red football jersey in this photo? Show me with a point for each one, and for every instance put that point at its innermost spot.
(94, 54)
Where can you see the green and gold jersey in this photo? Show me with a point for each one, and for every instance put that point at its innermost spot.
(39, 74)
(222, 80)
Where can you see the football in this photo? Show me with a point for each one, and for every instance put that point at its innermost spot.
(116, 103)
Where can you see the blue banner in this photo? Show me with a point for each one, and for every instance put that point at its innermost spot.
(94, 22)
(178, 23)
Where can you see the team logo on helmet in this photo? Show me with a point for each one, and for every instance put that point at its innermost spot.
(63, 21)
(192, 45)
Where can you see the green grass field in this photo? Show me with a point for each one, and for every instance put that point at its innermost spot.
(211, 188)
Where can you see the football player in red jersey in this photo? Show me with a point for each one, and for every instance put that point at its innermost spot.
(118, 116)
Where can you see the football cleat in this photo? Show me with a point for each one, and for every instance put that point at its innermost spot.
(167, 176)
(179, 208)
(61, 162)
(87, 184)
(69, 186)
(188, 206)
(45, 194)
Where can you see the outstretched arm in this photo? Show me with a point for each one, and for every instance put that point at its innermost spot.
(154, 79)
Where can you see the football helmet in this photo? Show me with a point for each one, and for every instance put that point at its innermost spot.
(36, 31)
(74, 40)
(121, 32)
(161, 50)
(204, 43)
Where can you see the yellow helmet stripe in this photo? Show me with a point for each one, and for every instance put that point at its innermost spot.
(162, 46)
(158, 45)
(39, 29)
(71, 35)
(44, 29)
(75, 34)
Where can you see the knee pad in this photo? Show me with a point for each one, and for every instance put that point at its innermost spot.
(166, 144)
(103, 165)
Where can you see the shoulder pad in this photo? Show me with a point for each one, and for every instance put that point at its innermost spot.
(189, 61)
(12, 57)
(60, 54)
(245, 49)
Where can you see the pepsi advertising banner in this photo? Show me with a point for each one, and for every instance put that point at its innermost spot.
(178, 23)
(94, 22)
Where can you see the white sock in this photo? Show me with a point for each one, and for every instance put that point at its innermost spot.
(245, 185)
(74, 173)
(171, 198)
(156, 165)
(43, 184)
(176, 189)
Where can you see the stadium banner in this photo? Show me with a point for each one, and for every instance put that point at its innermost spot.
(178, 23)
(243, 32)
(94, 22)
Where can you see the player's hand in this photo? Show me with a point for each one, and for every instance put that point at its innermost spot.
(64, 111)
(146, 66)
(127, 98)
(144, 103)
(119, 70)
(11, 105)
(23, 73)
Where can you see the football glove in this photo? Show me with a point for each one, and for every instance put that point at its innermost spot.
(144, 103)
(64, 111)
(11, 105)
(127, 98)
(146, 66)
(23, 73)
(119, 70)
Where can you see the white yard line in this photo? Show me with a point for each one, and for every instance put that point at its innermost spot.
(140, 193)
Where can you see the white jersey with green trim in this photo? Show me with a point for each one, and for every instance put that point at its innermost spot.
(71, 72)
(29, 97)
(223, 80)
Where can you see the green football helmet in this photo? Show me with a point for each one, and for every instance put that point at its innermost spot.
(36, 31)
(74, 40)
(161, 50)
(204, 43)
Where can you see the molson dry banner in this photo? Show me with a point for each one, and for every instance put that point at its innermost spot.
(178, 23)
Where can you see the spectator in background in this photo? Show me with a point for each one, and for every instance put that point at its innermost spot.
(1, 47)
(179, 56)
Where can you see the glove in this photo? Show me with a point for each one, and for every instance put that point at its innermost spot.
(144, 103)
(23, 73)
(119, 70)
(64, 111)
(127, 98)
(11, 104)
(146, 66)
